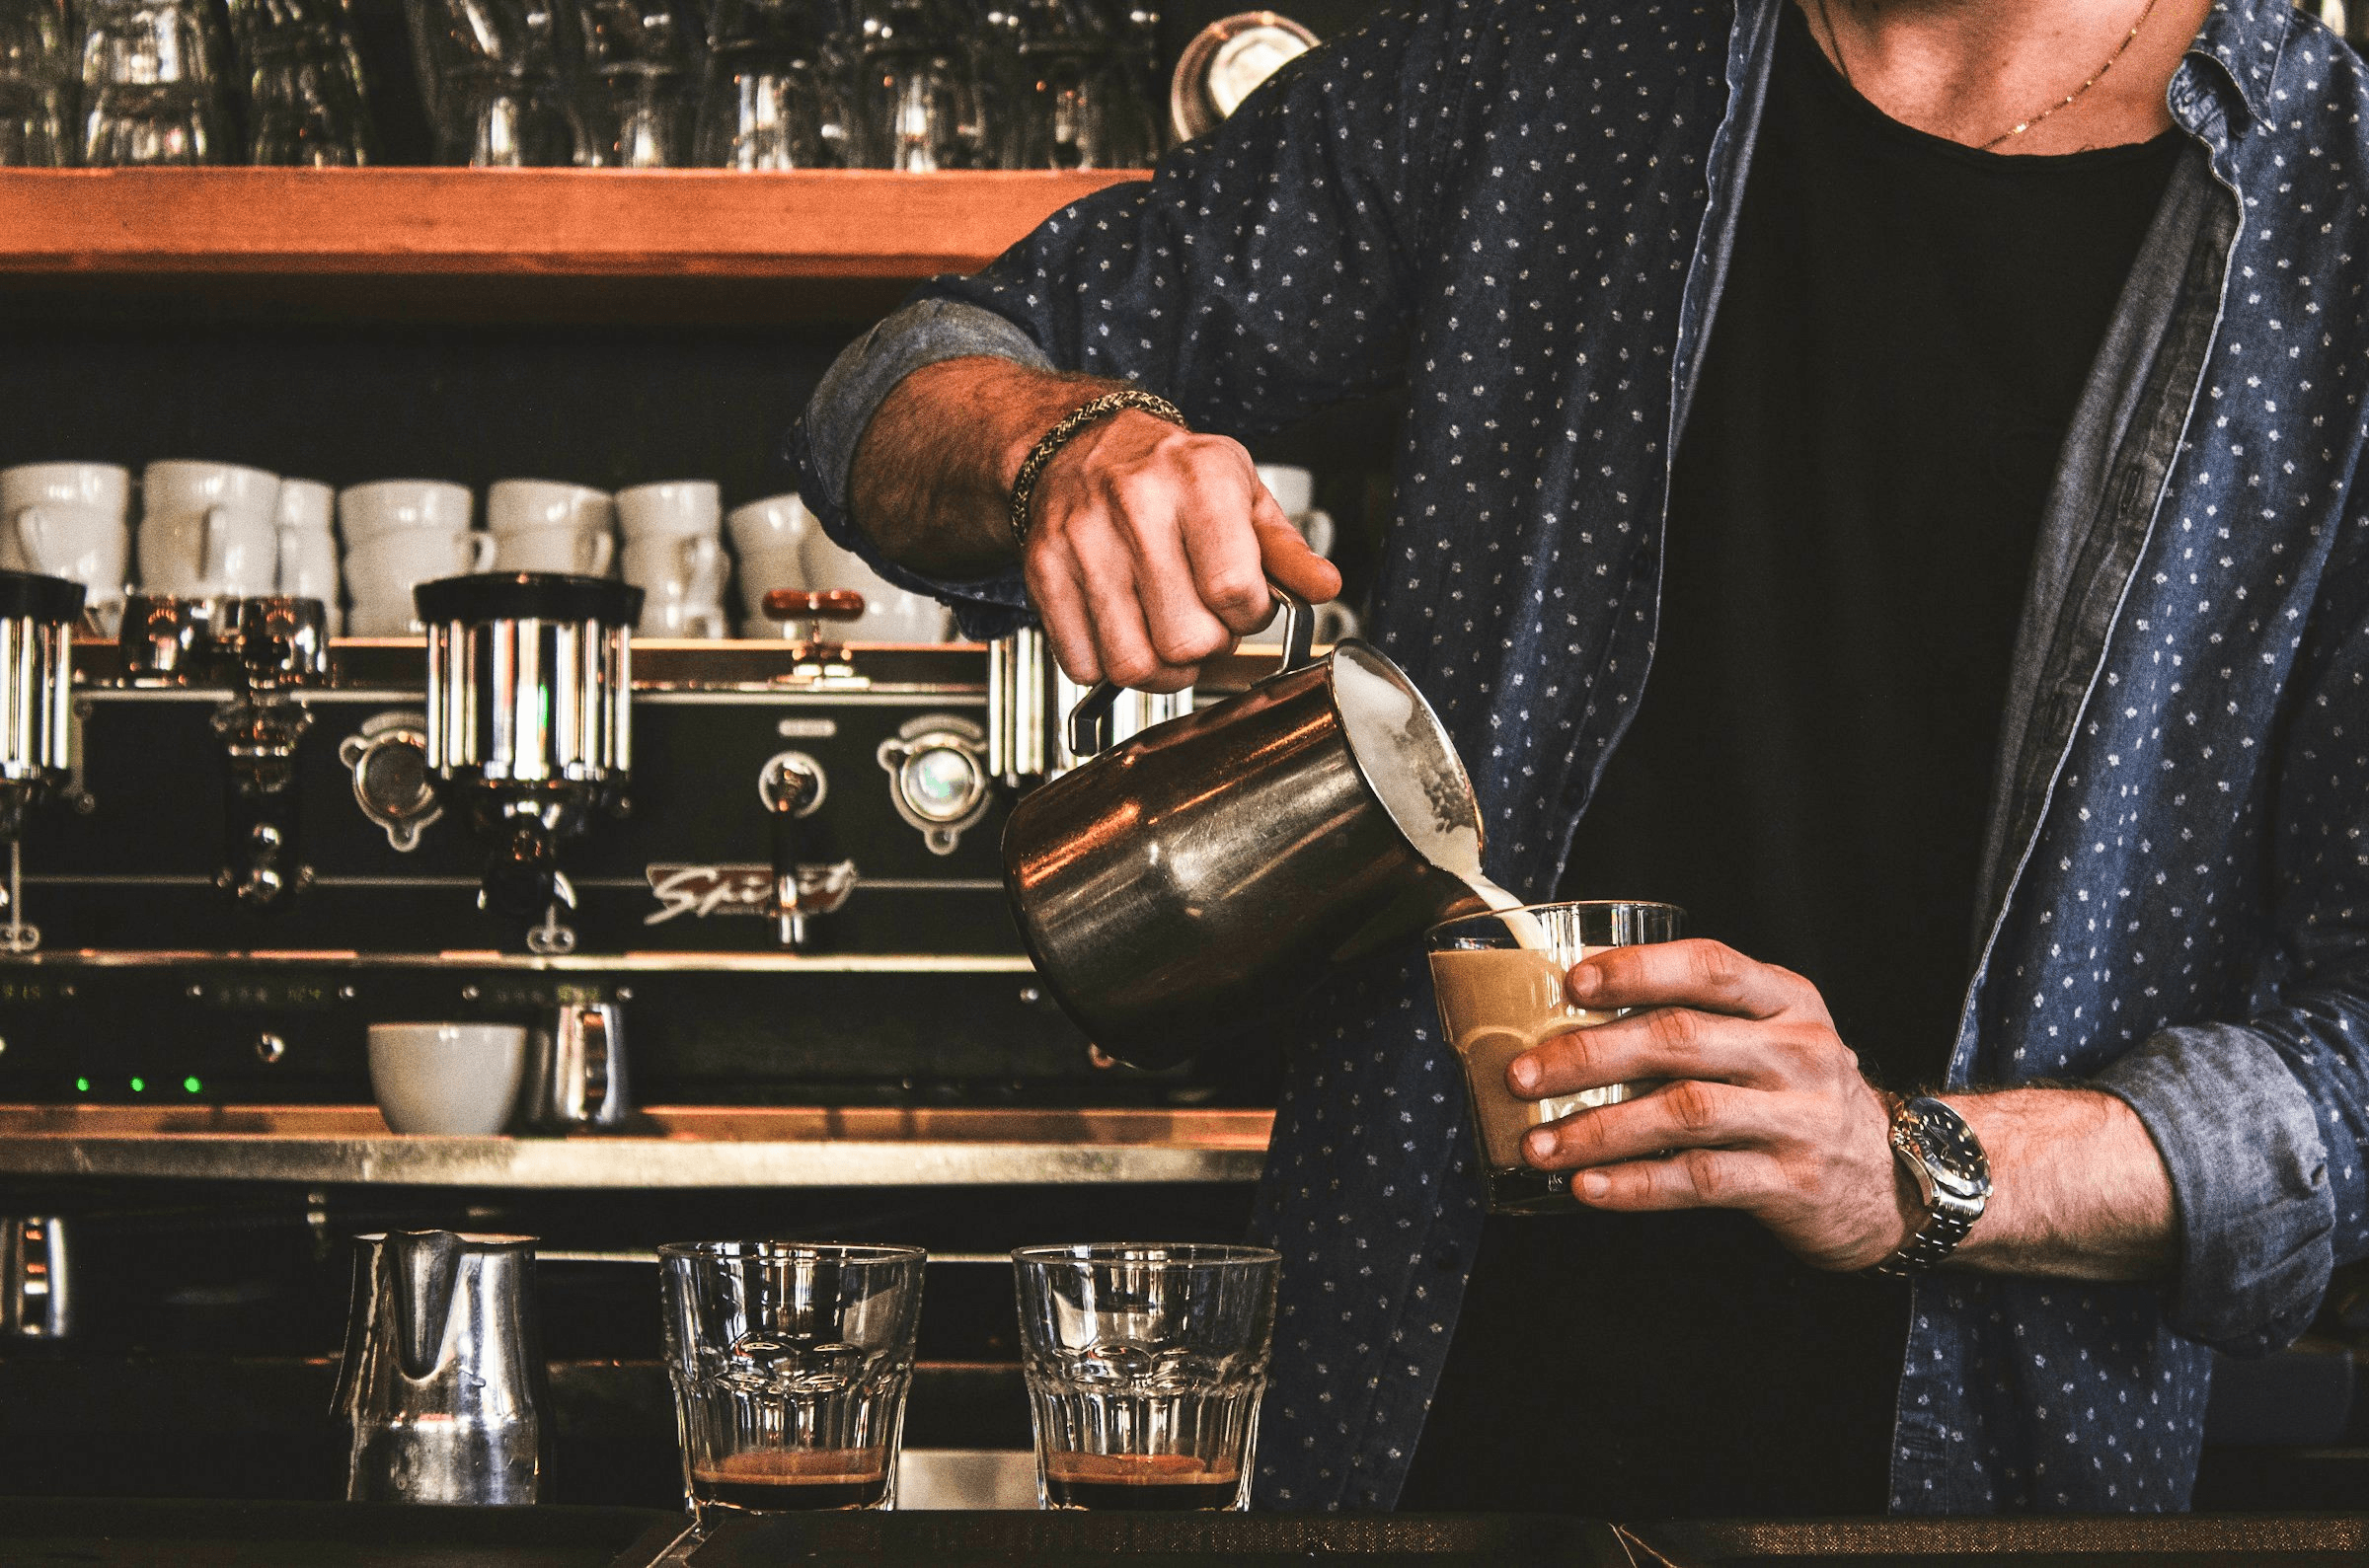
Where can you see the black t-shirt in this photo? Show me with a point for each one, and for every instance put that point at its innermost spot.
(1906, 326)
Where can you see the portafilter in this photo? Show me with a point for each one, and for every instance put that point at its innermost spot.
(529, 722)
(37, 632)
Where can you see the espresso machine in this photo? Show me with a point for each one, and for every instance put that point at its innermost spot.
(775, 858)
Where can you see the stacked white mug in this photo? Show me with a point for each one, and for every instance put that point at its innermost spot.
(673, 555)
(543, 524)
(769, 537)
(890, 614)
(70, 520)
(398, 534)
(308, 550)
(207, 529)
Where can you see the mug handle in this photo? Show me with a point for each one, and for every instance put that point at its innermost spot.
(288, 542)
(27, 526)
(480, 551)
(700, 553)
(212, 544)
(1317, 528)
(604, 551)
(1090, 721)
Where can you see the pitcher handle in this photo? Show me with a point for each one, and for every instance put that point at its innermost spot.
(594, 1026)
(1090, 721)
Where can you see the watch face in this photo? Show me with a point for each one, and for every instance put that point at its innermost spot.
(1952, 1157)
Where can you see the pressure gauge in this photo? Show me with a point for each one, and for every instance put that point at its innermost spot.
(937, 770)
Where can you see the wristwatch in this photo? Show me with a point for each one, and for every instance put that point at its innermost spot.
(1945, 1158)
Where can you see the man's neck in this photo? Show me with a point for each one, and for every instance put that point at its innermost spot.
(1972, 70)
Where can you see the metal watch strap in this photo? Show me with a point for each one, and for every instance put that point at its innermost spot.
(1031, 467)
(1948, 1217)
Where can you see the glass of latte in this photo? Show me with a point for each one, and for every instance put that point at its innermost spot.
(1500, 979)
(790, 1361)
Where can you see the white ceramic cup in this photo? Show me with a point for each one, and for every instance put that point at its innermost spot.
(90, 548)
(516, 506)
(1294, 488)
(390, 506)
(681, 579)
(101, 487)
(451, 1078)
(206, 528)
(567, 550)
(308, 550)
(769, 538)
(890, 614)
(381, 571)
(67, 520)
(675, 508)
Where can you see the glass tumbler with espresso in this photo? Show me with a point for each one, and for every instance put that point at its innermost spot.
(790, 1361)
(1500, 979)
(1145, 1364)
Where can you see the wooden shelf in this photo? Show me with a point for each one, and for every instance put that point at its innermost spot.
(522, 221)
(543, 241)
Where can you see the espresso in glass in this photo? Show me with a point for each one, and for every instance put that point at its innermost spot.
(1499, 978)
(766, 1480)
(1155, 1482)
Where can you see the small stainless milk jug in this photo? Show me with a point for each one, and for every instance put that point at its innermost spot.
(575, 1078)
(1177, 886)
(442, 1385)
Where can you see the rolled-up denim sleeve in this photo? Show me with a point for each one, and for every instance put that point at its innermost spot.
(2263, 1120)
(2242, 1139)
(824, 444)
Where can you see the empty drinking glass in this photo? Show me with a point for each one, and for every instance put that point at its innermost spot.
(1080, 106)
(918, 103)
(491, 72)
(641, 60)
(151, 84)
(1145, 1364)
(774, 92)
(790, 1361)
(36, 84)
(306, 102)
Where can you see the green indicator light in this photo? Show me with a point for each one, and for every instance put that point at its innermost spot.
(191, 1084)
(139, 1085)
(82, 1085)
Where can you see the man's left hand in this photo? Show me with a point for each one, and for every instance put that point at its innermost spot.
(1764, 1108)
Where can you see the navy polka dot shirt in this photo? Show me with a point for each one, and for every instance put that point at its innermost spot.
(1521, 210)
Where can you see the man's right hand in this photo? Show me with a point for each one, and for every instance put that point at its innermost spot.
(1150, 546)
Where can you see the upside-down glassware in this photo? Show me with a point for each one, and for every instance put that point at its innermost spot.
(37, 70)
(151, 84)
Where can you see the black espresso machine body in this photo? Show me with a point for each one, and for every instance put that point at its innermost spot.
(157, 984)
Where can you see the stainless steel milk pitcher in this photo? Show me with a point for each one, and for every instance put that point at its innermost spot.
(442, 1385)
(1177, 886)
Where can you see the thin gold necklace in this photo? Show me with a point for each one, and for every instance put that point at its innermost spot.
(1834, 41)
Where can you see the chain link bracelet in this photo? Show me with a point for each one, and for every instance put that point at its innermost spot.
(1031, 469)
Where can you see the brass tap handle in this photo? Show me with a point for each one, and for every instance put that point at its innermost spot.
(799, 603)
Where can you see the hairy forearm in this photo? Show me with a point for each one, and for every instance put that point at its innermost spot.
(933, 474)
(2078, 1188)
